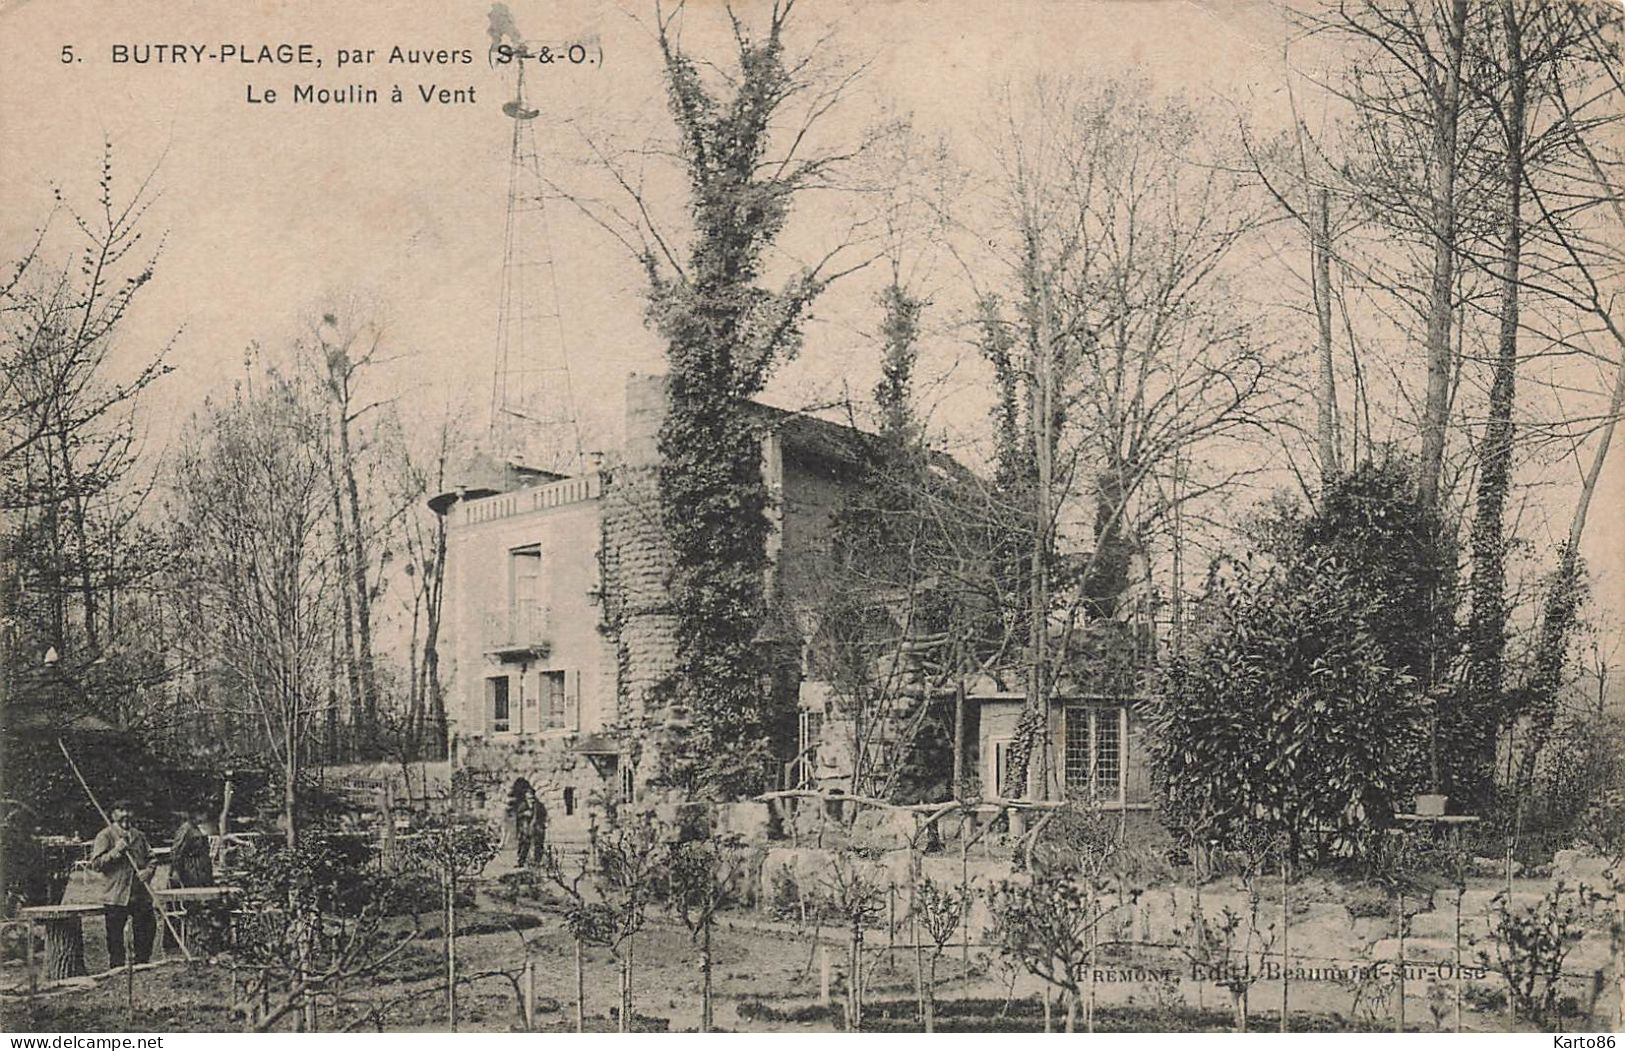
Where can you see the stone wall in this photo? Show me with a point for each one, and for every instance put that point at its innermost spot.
(569, 784)
(637, 601)
(1327, 925)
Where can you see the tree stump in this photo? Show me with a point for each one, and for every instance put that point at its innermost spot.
(64, 948)
(64, 938)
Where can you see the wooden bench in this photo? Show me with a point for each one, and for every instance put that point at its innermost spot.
(173, 903)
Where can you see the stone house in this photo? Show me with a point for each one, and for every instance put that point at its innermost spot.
(558, 632)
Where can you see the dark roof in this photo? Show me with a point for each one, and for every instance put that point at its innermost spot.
(483, 474)
(826, 441)
(53, 721)
(812, 437)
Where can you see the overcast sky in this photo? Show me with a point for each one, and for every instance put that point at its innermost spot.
(267, 209)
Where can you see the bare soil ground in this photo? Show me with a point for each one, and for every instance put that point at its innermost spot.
(766, 979)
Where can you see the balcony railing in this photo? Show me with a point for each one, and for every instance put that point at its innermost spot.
(519, 632)
(534, 498)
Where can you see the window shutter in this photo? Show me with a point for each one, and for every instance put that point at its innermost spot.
(572, 700)
(532, 718)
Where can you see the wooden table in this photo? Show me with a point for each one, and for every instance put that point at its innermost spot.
(64, 936)
(173, 902)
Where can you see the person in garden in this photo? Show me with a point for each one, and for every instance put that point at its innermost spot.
(538, 828)
(521, 810)
(190, 861)
(123, 856)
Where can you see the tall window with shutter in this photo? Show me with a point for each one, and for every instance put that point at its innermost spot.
(525, 616)
(552, 693)
(498, 711)
(999, 767)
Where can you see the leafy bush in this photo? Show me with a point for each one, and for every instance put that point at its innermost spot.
(1530, 947)
(1073, 839)
(785, 896)
(306, 918)
(1049, 927)
(1314, 695)
(1286, 713)
(1580, 789)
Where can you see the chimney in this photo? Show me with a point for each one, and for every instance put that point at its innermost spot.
(645, 412)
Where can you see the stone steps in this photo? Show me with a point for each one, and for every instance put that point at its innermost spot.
(1441, 924)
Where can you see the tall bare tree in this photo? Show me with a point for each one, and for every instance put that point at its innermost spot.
(1404, 80)
(343, 349)
(1123, 354)
(69, 440)
(253, 492)
(421, 475)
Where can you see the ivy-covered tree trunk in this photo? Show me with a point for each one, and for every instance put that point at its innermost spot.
(714, 503)
(1559, 618)
(1487, 627)
(724, 335)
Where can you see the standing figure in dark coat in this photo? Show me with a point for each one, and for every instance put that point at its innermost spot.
(522, 810)
(538, 828)
(512, 821)
(124, 858)
(190, 861)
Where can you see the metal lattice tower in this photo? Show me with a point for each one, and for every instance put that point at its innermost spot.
(533, 413)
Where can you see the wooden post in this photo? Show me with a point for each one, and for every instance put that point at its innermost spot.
(891, 926)
(388, 844)
(1460, 890)
(530, 993)
(919, 958)
(706, 1019)
(1286, 943)
(626, 997)
(126, 935)
(823, 975)
(959, 739)
(623, 1023)
(451, 953)
(225, 821)
(1399, 1006)
(1072, 997)
(854, 981)
(964, 898)
(28, 961)
(581, 990)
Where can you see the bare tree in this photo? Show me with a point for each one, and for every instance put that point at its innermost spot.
(341, 350)
(421, 475)
(1418, 122)
(69, 443)
(1594, 258)
(703, 877)
(1124, 354)
(253, 496)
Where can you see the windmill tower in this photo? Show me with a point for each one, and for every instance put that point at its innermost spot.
(533, 415)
